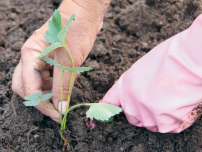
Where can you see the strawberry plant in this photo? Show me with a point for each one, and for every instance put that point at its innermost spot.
(56, 36)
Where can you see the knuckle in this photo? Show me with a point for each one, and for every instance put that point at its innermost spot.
(13, 87)
(36, 38)
(65, 93)
(36, 32)
(23, 50)
(17, 88)
(65, 89)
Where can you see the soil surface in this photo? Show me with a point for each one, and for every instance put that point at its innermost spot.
(131, 28)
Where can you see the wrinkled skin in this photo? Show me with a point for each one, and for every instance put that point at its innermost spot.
(33, 76)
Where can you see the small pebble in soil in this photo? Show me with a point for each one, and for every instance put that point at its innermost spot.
(12, 16)
(93, 64)
(122, 149)
(36, 136)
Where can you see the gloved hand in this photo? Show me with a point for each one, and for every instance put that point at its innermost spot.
(33, 76)
(162, 90)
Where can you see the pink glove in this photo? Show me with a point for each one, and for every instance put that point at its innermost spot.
(163, 89)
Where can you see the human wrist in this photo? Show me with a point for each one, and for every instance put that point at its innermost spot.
(89, 5)
(89, 10)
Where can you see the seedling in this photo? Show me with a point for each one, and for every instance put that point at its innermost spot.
(35, 99)
(56, 36)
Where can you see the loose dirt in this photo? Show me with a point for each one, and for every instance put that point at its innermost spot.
(131, 29)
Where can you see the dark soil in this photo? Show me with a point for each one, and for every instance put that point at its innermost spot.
(131, 29)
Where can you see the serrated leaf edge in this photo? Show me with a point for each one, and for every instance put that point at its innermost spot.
(62, 33)
(94, 111)
(46, 98)
(50, 48)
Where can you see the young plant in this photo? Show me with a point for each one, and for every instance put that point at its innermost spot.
(56, 36)
(35, 99)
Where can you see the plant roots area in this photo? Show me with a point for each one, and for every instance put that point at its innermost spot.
(131, 28)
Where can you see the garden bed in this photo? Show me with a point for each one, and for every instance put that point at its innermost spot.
(131, 29)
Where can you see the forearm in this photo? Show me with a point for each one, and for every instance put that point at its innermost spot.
(98, 7)
(87, 12)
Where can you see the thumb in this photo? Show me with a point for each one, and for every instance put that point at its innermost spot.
(61, 93)
(112, 96)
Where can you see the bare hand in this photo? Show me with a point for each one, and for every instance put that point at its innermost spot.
(33, 76)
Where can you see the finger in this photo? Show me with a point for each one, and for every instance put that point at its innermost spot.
(17, 85)
(53, 114)
(47, 91)
(63, 107)
(45, 74)
(112, 96)
(77, 75)
(18, 88)
(62, 57)
(47, 83)
(32, 81)
(32, 84)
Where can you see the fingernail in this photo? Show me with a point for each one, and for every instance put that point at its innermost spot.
(64, 104)
(77, 75)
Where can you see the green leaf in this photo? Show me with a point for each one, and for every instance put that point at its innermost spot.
(51, 37)
(53, 62)
(33, 96)
(102, 112)
(46, 96)
(55, 26)
(32, 103)
(110, 120)
(57, 20)
(52, 29)
(49, 49)
(66, 68)
(62, 34)
(80, 69)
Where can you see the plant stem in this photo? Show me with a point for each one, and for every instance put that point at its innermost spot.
(69, 55)
(63, 121)
(62, 136)
(61, 94)
(65, 117)
(47, 105)
(70, 86)
(72, 74)
(81, 104)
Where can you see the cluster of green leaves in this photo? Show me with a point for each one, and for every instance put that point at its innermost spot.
(35, 99)
(76, 70)
(56, 36)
